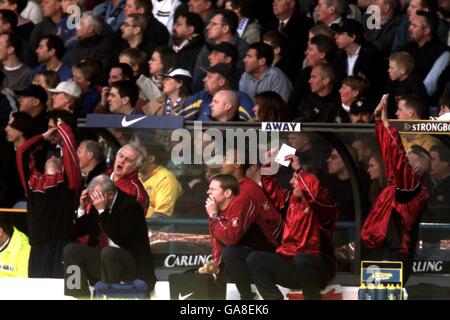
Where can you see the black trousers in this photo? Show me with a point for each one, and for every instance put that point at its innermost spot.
(304, 271)
(83, 264)
(46, 260)
(235, 260)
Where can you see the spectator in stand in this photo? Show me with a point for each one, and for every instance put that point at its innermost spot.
(267, 219)
(331, 12)
(390, 231)
(383, 37)
(133, 32)
(47, 80)
(136, 59)
(19, 128)
(225, 52)
(164, 11)
(270, 107)
(23, 27)
(49, 53)
(412, 107)
(51, 194)
(259, 76)
(156, 33)
(66, 96)
(112, 12)
(123, 97)
(444, 108)
(177, 88)
(123, 254)
(52, 12)
(225, 106)
(188, 39)
(204, 8)
(305, 259)
(163, 59)
(249, 28)
(402, 34)
(221, 28)
(118, 72)
(359, 57)
(15, 251)
(32, 101)
(15, 73)
(67, 30)
(430, 55)
(361, 111)
(279, 42)
(403, 80)
(162, 186)
(294, 25)
(321, 50)
(352, 89)
(233, 221)
(322, 103)
(91, 43)
(86, 75)
(218, 77)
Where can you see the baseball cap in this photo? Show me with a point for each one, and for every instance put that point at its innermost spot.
(225, 47)
(178, 74)
(361, 106)
(68, 87)
(223, 69)
(350, 26)
(33, 91)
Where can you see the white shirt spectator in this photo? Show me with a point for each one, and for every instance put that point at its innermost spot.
(164, 11)
(32, 12)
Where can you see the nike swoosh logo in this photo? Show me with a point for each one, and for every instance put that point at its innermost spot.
(180, 297)
(126, 123)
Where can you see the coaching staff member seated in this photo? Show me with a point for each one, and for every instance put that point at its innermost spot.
(123, 253)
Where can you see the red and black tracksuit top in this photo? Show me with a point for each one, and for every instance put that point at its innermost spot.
(310, 220)
(51, 199)
(249, 220)
(400, 205)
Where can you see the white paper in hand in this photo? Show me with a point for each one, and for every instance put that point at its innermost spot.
(284, 151)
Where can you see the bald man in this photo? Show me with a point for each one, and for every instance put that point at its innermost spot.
(225, 106)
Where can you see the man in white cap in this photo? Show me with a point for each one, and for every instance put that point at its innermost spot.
(65, 96)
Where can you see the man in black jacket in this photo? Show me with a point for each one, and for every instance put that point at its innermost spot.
(91, 43)
(124, 252)
(188, 39)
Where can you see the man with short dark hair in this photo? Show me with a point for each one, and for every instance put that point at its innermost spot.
(123, 97)
(50, 53)
(221, 28)
(53, 13)
(188, 39)
(204, 8)
(440, 173)
(259, 76)
(15, 72)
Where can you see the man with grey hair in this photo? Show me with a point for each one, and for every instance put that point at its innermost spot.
(122, 254)
(129, 160)
(330, 11)
(91, 43)
(225, 106)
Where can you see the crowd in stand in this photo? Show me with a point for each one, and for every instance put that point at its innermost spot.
(210, 60)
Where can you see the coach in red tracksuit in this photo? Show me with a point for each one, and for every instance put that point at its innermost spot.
(305, 259)
(390, 230)
(51, 194)
(237, 221)
(266, 231)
